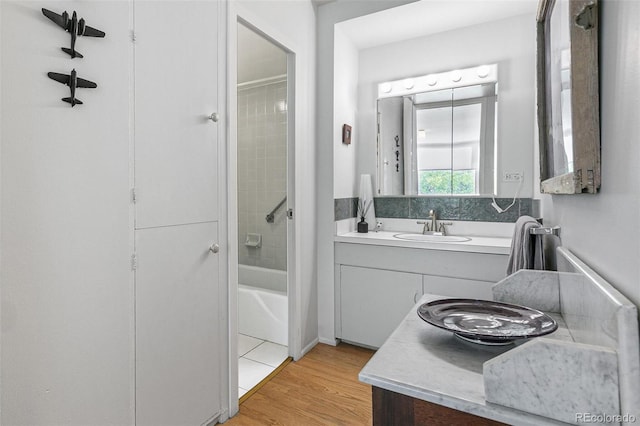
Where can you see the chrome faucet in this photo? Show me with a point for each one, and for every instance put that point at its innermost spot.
(434, 220)
(442, 229)
(426, 229)
(433, 223)
(433, 226)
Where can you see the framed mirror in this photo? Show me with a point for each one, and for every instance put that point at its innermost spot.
(568, 97)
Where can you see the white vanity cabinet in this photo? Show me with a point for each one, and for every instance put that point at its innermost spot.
(374, 302)
(377, 285)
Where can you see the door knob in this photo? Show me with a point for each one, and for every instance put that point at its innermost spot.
(214, 117)
(215, 248)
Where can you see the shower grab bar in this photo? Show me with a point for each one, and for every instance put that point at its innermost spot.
(271, 216)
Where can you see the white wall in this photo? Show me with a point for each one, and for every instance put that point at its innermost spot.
(345, 111)
(602, 230)
(328, 15)
(67, 301)
(509, 42)
(67, 221)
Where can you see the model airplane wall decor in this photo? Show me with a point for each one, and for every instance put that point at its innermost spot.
(73, 82)
(74, 27)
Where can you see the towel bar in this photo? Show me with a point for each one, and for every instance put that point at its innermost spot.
(546, 230)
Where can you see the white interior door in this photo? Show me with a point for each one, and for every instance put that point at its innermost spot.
(177, 342)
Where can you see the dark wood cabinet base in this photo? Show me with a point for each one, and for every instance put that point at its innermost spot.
(394, 409)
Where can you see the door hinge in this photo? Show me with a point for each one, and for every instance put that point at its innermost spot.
(133, 195)
(134, 262)
(290, 214)
(133, 36)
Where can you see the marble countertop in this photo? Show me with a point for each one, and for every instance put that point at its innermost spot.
(477, 244)
(431, 364)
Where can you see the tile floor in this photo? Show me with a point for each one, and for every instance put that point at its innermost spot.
(257, 359)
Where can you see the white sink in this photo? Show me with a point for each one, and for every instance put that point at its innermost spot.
(432, 238)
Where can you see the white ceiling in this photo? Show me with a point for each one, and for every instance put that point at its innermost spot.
(258, 58)
(427, 17)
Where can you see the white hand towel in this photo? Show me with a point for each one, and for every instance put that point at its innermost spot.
(526, 249)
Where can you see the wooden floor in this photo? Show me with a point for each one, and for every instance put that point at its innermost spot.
(320, 389)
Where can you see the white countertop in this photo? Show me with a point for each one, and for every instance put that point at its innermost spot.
(425, 362)
(477, 244)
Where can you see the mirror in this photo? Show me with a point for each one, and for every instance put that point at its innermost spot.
(430, 37)
(568, 104)
(438, 141)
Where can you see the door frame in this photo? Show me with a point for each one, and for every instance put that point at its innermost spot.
(239, 14)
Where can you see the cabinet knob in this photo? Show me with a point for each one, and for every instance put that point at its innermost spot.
(214, 248)
(214, 117)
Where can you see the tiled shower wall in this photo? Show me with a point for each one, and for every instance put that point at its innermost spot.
(262, 173)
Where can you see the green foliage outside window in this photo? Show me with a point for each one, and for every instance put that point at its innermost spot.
(435, 182)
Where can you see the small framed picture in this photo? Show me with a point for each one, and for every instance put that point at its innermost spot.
(346, 134)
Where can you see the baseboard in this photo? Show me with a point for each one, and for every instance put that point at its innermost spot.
(332, 342)
(307, 348)
(219, 418)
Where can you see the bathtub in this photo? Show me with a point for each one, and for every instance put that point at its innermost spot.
(262, 304)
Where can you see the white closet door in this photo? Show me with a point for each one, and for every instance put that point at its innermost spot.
(175, 143)
(178, 346)
(178, 341)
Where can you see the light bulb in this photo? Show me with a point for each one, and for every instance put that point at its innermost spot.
(456, 76)
(483, 71)
(431, 80)
(385, 87)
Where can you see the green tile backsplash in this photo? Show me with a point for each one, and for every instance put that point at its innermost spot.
(447, 208)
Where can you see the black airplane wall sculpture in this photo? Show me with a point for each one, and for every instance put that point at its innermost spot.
(74, 27)
(73, 82)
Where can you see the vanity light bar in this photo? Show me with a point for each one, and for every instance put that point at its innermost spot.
(444, 80)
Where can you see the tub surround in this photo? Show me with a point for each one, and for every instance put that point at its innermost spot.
(598, 327)
(262, 171)
(474, 208)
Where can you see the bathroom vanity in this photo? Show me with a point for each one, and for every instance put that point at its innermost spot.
(380, 277)
(584, 372)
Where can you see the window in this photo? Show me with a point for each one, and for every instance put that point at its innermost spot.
(454, 140)
(444, 182)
